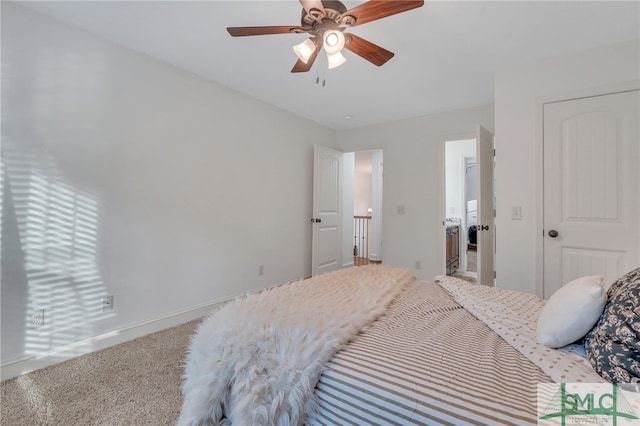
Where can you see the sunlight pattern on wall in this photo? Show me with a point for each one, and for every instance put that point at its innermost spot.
(2, 186)
(58, 233)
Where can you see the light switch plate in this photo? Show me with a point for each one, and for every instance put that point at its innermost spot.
(516, 213)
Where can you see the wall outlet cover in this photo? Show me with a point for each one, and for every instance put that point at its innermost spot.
(37, 318)
(106, 303)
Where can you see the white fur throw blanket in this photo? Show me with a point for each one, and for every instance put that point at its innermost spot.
(257, 360)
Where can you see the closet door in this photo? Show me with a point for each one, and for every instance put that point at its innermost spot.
(591, 189)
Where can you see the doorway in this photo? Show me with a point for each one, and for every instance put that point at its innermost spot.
(461, 216)
(334, 208)
(362, 210)
(362, 243)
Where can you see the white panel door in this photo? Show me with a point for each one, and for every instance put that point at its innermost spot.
(591, 189)
(486, 218)
(326, 252)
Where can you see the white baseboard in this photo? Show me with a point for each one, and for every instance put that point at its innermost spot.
(21, 365)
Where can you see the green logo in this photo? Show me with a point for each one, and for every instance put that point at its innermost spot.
(588, 407)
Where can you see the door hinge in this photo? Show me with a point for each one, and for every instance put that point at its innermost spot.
(494, 152)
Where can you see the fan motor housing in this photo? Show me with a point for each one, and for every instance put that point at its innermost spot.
(333, 10)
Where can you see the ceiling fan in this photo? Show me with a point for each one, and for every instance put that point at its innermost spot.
(325, 21)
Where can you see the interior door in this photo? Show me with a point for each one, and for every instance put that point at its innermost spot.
(591, 189)
(486, 217)
(326, 252)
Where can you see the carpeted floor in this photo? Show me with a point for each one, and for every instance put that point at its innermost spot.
(134, 383)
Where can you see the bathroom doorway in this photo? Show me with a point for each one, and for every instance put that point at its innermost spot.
(461, 215)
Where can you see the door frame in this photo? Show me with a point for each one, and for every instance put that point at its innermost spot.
(538, 278)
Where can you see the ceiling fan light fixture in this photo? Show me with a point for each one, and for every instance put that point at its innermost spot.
(333, 41)
(304, 50)
(335, 59)
(325, 21)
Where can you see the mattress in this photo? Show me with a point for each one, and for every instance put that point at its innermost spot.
(427, 360)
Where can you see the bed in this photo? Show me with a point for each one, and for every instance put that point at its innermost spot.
(373, 345)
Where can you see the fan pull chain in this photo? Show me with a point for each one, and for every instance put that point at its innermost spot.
(324, 81)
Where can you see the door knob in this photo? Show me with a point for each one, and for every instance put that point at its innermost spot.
(553, 233)
(315, 220)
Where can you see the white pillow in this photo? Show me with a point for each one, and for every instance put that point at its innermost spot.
(571, 311)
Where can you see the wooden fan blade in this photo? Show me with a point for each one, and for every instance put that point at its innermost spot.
(302, 67)
(377, 9)
(253, 31)
(369, 51)
(308, 5)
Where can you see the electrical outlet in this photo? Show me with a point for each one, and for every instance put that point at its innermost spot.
(106, 303)
(452, 210)
(418, 265)
(37, 318)
(260, 269)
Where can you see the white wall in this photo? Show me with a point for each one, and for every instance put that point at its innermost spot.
(414, 179)
(362, 183)
(362, 195)
(127, 176)
(519, 94)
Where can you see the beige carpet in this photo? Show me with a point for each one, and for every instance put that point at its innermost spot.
(134, 383)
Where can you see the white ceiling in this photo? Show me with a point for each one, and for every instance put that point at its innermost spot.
(446, 52)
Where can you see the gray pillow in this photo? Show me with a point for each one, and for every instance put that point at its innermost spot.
(613, 345)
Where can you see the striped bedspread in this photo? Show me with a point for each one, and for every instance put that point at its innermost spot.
(428, 361)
